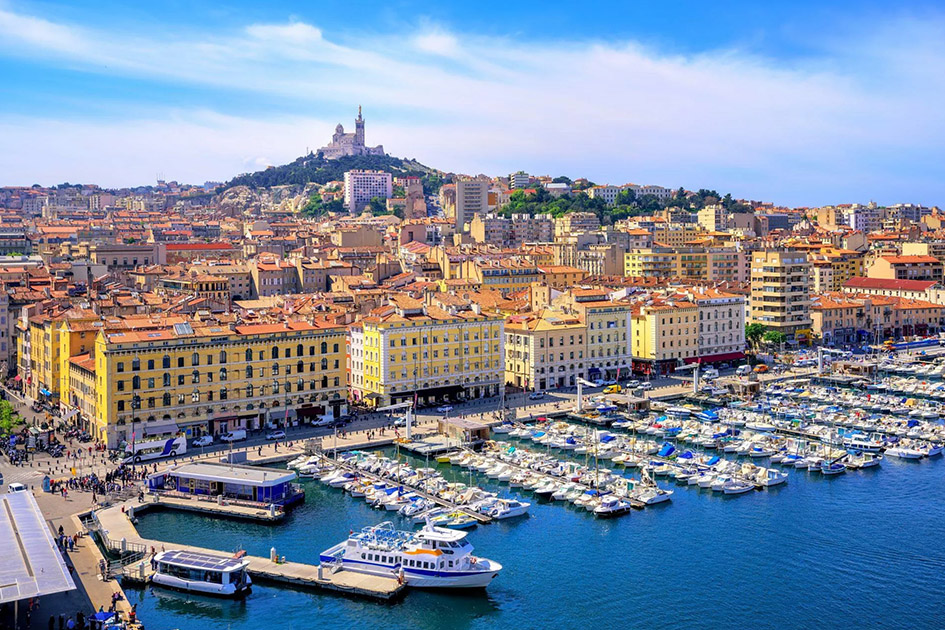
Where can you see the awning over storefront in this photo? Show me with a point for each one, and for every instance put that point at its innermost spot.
(44, 391)
(717, 358)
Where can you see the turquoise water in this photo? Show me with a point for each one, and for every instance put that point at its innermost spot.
(865, 549)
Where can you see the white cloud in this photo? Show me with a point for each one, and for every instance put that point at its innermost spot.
(820, 131)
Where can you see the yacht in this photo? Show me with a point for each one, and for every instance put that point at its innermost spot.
(433, 557)
(612, 506)
(508, 508)
(202, 573)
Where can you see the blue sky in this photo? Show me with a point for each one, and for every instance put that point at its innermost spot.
(799, 103)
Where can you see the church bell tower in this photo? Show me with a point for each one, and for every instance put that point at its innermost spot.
(359, 129)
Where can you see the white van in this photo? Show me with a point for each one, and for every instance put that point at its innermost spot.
(234, 436)
(16, 487)
(743, 370)
(710, 373)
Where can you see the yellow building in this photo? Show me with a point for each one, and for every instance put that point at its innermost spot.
(207, 378)
(407, 349)
(664, 334)
(45, 347)
(711, 264)
(545, 350)
(608, 326)
(562, 277)
(506, 275)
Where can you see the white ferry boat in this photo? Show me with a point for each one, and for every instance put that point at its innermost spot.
(202, 573)
(433, 557)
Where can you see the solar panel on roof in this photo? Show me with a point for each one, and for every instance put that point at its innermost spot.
(183, 329)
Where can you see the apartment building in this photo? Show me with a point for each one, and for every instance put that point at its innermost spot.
(906, 268)
(608, 330)
(780, 292)
(472, 198)
(408, 350)
(545, 350)
(362, 186)
(664, 335)
(203, 378)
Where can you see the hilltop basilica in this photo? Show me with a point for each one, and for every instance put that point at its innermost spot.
(349, 143)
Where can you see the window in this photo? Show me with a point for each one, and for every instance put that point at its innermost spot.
(311, 351)
(335, 348)
(249, 390)
(195, 359)
(275, 369)
(121, 366)
(222, 356)
(150, 364)
(300, 367)
(299, 350)
(136, 382)
(195, 377)
(180, 361)
(180, 379)
(324, 348)
(121, 405)
(249, 371)
(135, 364)
(222, 374)
(167, 380)
(223, 393)
(120, 385)
(166, 400)
(249, 355)
(195, 397)
(165, 362)
(150, 383)
(324, 364)
(275, 352)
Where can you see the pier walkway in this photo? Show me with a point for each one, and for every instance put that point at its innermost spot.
(118, 530)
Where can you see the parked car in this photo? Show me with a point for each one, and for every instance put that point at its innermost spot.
(610, 381)
(278, 434)
(612, 389)
(646, 386)
(598, 382)
(203, 440)
(16, 487)
(401, 421)
(536, 395)
(761, 368)
(444, 408)
(234, 436)
(324, 422)
(633, 384)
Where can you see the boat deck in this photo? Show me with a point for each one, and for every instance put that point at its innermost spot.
(116, 526)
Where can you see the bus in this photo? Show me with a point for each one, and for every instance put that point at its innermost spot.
(153, 449)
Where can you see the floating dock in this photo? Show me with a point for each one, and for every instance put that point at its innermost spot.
(118, 532)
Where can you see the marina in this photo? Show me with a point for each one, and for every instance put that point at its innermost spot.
(568, 479)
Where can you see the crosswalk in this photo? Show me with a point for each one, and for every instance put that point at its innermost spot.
(26, 476)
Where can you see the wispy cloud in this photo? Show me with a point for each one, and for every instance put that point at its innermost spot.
(832, 128)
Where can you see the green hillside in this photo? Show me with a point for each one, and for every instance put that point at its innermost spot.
(313, 168)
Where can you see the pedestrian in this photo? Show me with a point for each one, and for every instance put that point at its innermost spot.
(70, 624)
(62, 621)
(52, 622)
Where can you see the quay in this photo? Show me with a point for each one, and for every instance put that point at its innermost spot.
(118, 533)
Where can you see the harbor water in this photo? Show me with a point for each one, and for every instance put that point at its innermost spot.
(863, 549)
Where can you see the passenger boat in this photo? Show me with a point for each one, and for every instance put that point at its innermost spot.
(195, 572)
(508, 508)
(433, 557)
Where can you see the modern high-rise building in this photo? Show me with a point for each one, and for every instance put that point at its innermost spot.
(362, 186)
(780, 292)
(472, 197)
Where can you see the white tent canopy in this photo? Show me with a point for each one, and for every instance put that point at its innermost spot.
(32, 565)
